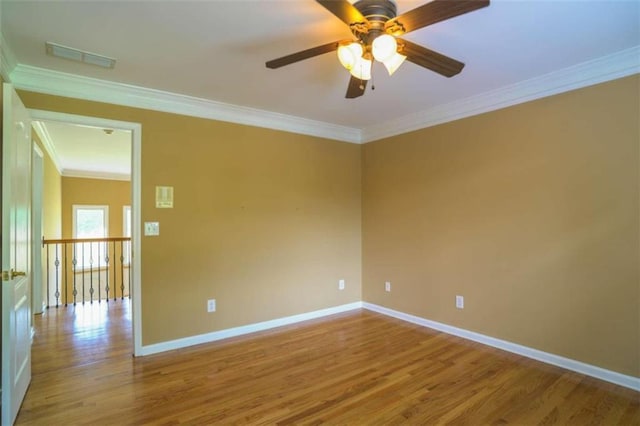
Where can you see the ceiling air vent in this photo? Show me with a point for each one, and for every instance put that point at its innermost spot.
(77, 55)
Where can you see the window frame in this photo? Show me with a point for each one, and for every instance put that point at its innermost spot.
(74, 221)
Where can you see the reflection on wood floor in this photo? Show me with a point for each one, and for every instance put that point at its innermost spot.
(356, 368)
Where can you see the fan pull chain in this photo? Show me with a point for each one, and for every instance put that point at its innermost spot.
(373, 85)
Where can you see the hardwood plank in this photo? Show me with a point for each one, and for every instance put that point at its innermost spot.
(353, 368)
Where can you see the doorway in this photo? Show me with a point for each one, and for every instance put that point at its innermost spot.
(134, 129)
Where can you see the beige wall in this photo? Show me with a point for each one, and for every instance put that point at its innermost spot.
(51, 209)
(266, 222)
(51, 196)
(113, 193)
(531, 213)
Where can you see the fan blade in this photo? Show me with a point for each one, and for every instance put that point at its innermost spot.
(302, 55)
(435, 11)
(429, 59)
(356, 88)
(344, 10)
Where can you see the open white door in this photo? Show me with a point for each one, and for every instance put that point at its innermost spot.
(16, 246)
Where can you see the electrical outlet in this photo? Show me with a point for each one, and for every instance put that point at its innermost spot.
(460, 302)
(211, 305)
(341, 285)
(387, 286)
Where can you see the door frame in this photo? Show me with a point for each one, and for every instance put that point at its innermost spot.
(37, 175)
(136, 191)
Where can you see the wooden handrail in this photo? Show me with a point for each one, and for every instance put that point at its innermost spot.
(84, 240)
(74, 265)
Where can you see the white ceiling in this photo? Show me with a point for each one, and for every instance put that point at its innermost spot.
(216, 50)
(83, 151)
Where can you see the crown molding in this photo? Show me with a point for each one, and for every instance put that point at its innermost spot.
(40, 128)
(7, 60)
(610, 67)
(47, 143)
(606, 68)
(88, 174)
(57, 83)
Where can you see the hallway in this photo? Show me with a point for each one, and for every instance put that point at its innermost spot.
(70, 351)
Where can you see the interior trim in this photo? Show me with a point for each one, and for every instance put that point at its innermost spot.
(548, 358)
(95, 175)
(41, 129)
(245, 329)
(606, 68)
(49, 82)
(47, 142)
(7, 60)
(610, 67)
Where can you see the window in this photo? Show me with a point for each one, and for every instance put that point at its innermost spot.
(126, 229)
(90, 222)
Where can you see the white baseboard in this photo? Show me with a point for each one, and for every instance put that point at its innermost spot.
(569, 364)
(245, 329)
(559, 361)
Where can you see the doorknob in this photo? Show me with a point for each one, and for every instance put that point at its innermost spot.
(11, 274)
(17, 274)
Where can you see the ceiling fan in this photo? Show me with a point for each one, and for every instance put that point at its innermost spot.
(377, 30)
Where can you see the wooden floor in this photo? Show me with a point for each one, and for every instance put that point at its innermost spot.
(357, 368)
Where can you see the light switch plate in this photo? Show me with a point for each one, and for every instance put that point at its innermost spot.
(151, 229)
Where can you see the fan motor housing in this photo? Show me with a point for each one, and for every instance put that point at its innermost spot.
(377, 10)
(377, 13)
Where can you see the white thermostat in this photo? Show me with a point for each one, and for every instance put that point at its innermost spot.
(164, 197)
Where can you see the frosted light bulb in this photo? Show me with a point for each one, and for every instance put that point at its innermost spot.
(384, 47)
(393, 63)
(348, 54)
(362, 69)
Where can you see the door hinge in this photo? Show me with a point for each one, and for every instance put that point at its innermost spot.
(5, 276)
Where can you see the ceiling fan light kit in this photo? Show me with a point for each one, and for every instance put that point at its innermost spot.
(392, 64)
(362, 69)
(377, 29)
(384, 47)
(349, 54)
